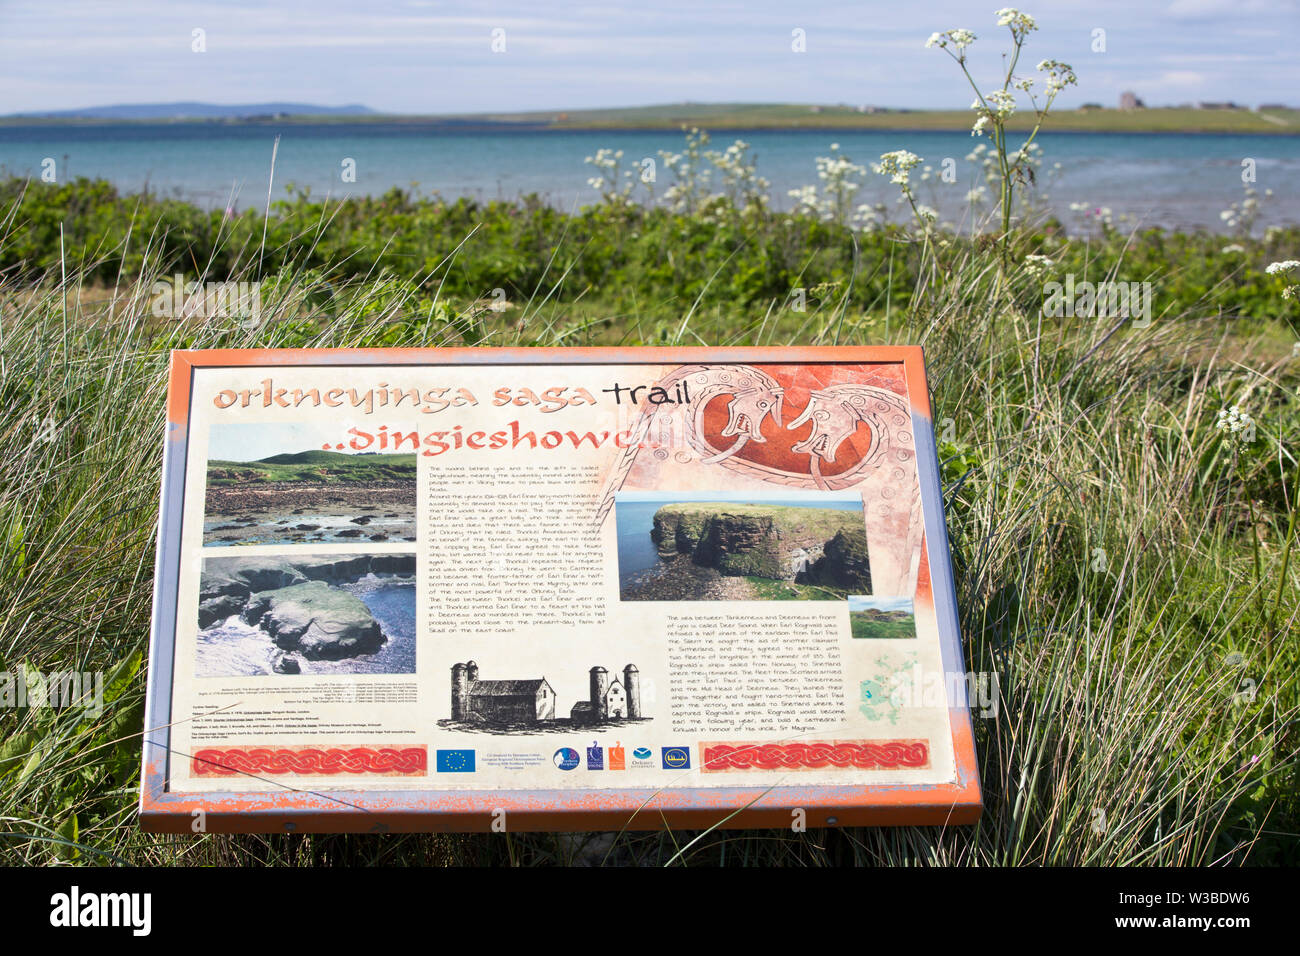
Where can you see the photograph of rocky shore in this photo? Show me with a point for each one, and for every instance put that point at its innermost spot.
(739, 550)
(276, 484)
(307, 614)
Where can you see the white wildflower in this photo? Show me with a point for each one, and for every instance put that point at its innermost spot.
(1059, 75)
(960, 39)
(1002, 102)
(1236, 422)
(1038, 266)
(897, 165)
(1020, 23)
(1281, 269)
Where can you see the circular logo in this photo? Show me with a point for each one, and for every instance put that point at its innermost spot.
(566, 758)
(642, 753)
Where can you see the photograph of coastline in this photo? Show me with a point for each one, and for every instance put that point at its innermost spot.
(881, 617)
(307, 614)
(725, 546)
(272, 484)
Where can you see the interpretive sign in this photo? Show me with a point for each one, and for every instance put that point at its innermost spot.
(548, 589)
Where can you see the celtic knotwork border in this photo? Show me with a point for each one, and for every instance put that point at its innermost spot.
(817, 755)
(310, 761)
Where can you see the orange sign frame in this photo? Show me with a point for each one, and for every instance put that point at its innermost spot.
(162, 809)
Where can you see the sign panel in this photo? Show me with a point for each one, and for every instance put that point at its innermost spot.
(475, 589)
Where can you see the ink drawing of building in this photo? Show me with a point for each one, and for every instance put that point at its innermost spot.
(531, 702)
(495, 701)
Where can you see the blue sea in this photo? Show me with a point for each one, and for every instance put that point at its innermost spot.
(1166, 179)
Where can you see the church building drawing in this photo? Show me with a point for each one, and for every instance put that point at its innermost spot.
(610, 700)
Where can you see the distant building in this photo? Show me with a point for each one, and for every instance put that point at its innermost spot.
(1217, 106)
(1128, 100)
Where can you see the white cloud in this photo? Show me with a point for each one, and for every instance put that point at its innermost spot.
(1182, 78)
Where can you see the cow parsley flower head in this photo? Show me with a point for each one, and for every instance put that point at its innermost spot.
(1021, 24)
(958, 39)
(1236, 422)
(1001, 102)
(897, 165)
(1283, 268)
(1059, 75)
(1038, 267)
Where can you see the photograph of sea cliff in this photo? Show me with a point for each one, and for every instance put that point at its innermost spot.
(307, 614)
(718, 546)
(876, 618)
(272, 484)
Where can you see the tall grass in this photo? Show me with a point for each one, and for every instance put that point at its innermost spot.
(1104, 535)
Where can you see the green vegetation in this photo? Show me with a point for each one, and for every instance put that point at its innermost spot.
(876, 624)
(768, 589)
(312, 467)
(609, 274)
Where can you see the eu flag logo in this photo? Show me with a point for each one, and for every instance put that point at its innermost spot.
(455, 761)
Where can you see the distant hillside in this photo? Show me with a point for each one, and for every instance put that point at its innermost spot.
(321, 457)
(717, 117)
(313, 467)
(193, 110)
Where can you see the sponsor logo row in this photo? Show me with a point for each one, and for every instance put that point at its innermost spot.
(616, 757)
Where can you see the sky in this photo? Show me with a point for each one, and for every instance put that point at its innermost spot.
(835, 500)
(863, 603)
(421, 56)
(248, 442)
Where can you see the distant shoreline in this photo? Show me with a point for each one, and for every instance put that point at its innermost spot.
(741, 119)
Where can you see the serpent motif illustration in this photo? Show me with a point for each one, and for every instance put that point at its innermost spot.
(833, 414)
(681, 455)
